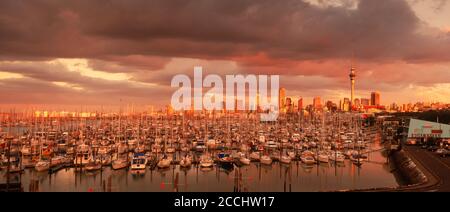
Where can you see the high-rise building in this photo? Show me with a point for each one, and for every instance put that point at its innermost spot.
(365, 101)
(352, 76)
(282, 100)
(300, 104)
(357, 103)
(169, 110)
(330, 106)
(346, 105)
(317, 104)
(288, 104)
(375, 99)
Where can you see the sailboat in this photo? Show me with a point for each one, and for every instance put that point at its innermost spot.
(286, 159)
(206, 161)
(119, 163)
(322, 157)
(255, 156)
(42, 166)
(337, 157)
(307, 158)
(266, 160)
(358, 159)
(93, 166)
(14, 168)
(164, 162)
(244, 160)
(186, 161)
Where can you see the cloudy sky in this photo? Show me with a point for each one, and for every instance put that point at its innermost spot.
(107, 52)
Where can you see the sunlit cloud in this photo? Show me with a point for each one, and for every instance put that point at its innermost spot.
(8, 75)
(81, 66)
(69, 85)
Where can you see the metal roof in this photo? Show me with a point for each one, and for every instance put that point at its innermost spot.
(420, 129)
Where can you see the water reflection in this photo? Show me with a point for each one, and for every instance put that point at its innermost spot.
(224, 177)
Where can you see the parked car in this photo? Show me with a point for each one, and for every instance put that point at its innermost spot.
(411, 142)
(432, 148)
(442, 152)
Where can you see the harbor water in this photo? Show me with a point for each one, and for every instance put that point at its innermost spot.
(277, 177)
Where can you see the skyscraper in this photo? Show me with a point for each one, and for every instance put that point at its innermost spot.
(375, 98)
(346, 105)
(365, 102)
(357, 103)
(352, 76)
(288, 104)
(317, 104)
(300, 104)
(282, 100)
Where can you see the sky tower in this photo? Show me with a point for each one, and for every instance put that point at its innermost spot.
(352, 76)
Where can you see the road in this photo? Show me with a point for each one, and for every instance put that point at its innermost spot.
(437, 166)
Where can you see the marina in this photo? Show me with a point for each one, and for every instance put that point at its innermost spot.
(195, 152)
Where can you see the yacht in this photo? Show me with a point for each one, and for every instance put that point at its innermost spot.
(138, 162)
(83, 155)
(225, 158)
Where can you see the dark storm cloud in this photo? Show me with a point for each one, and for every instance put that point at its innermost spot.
(143, 37)
(376, 30)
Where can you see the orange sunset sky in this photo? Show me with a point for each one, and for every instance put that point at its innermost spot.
(106, 52)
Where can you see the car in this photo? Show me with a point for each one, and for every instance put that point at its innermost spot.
(432, 148)
(411, 142)
(442, 152)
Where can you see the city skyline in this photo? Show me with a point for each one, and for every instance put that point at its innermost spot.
(60, 57)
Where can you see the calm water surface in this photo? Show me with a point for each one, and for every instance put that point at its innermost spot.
(256, 178)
